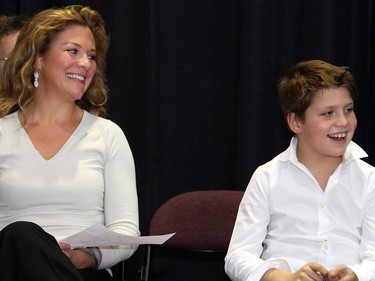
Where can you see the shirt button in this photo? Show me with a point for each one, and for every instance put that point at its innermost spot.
(322, 205)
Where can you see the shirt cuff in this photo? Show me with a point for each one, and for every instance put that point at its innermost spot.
(276, 263)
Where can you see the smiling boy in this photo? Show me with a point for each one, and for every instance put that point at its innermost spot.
(309, 213)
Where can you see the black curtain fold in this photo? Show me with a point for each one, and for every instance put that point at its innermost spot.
(193, 84)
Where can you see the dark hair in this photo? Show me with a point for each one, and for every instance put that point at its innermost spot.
(42, 29)
(298, 88)
(10, 24)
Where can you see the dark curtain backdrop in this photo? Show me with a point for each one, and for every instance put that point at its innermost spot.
(193, 86)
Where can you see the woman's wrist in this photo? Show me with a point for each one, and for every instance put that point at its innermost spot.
(95, 253)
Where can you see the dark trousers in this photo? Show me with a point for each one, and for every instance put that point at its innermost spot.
(28, 253)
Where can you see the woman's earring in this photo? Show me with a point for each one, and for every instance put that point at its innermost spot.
(36, 79)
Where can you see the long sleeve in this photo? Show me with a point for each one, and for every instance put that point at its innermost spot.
(120, 198)
(243, 262)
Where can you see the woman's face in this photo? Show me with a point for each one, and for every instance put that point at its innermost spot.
(68, 67)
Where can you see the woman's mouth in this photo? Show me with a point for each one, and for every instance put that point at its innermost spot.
(75, 76)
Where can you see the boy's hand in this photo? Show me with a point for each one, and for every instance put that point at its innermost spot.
(342, 273)
(309, 272)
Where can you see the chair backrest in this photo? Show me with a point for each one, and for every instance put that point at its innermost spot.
(202, 220)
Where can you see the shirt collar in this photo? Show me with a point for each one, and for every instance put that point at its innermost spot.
(353, 152)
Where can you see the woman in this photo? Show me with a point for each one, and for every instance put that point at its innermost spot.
(63, 167)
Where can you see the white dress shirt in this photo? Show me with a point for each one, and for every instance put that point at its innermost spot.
(286, 220)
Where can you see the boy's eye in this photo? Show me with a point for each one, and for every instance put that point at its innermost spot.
(92, 57)
(328, 113)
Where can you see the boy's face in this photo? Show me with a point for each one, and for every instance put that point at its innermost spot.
(328, 126)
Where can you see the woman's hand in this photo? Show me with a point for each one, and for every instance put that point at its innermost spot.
(80, 259)
(309, 272)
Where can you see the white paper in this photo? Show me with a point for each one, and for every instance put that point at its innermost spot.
(98, 235)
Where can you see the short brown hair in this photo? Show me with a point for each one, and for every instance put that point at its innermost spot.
(298, 88)
(10, 24)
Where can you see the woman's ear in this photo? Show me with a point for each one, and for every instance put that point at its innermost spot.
(294, 123)
(38, 62)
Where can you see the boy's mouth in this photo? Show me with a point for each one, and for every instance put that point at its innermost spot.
(339, 136)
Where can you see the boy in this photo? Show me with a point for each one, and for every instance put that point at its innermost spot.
(309, 214)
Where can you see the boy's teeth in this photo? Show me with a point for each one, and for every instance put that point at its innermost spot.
(338, 135)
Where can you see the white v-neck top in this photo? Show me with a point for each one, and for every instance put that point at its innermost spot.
(90, 180)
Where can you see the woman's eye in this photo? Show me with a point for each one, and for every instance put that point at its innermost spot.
(350, 109)
(72, 51)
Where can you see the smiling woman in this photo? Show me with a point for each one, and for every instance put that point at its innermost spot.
(63, 166)
(71, 58)
(38, 36)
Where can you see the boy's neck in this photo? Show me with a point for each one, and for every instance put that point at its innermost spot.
(320, 167)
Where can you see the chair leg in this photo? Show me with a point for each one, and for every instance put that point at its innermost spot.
(146, 270)
(123, 271)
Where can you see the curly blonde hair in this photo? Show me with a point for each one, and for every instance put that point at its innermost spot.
(35, 39)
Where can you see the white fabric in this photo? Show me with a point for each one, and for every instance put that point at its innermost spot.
(285, 208)
(90, 180)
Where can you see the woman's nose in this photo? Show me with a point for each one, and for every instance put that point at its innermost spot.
(84, 61)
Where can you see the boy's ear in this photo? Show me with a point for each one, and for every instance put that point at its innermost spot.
(294, 123)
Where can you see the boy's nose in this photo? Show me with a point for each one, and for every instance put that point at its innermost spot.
(342, 120)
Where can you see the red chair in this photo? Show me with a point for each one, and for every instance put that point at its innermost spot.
(203, 221)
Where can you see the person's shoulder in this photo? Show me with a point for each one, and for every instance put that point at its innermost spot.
(99, 121)
(274, 164)
(103, 125)
(356, 155)
(10, 116)
(10, 120)
(364, 173)
(9, 126)
(365, 167)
